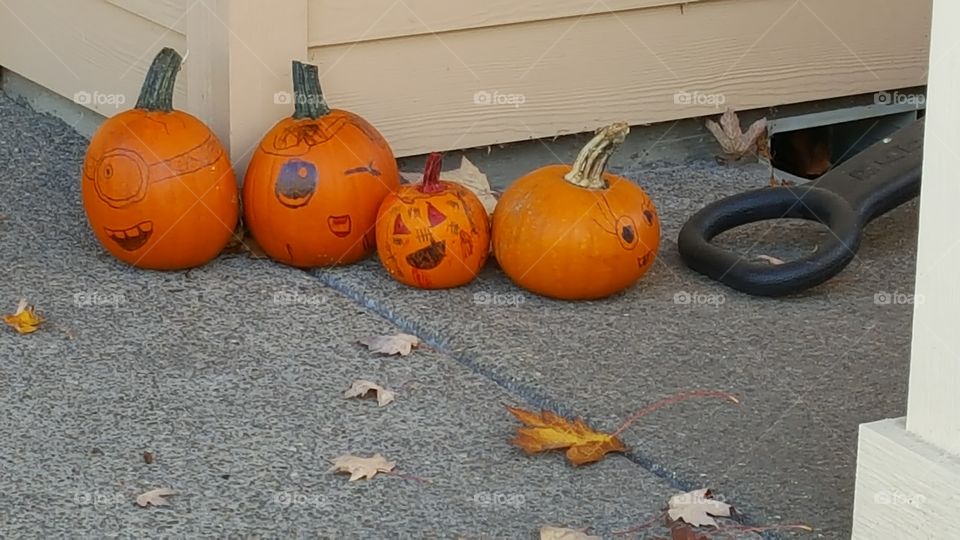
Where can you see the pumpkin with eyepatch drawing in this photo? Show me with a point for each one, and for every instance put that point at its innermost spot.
(316, 180)
(158, 188)
(434, 234)
(577, 232)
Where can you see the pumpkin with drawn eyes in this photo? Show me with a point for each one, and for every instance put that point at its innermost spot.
(435, 234)
(577, 232)
(316, 180)
(157, 187)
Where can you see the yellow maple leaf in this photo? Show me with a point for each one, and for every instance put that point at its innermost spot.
(24, 320)
(549, 431)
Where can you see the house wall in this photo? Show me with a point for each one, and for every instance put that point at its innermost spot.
(416, 68)
(443, 74)
(93, 48)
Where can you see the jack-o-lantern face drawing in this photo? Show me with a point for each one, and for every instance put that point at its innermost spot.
(577, 232)
(316, 180)
(433, 235)
(157, 186)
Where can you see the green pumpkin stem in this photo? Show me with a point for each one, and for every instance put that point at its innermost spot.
(156, 94)
(588, 170)
(431, 174)
(308, 100)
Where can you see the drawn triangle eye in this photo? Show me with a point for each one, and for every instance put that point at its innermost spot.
(399, 227)
(435, 216)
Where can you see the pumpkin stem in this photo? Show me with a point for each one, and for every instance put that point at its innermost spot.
(308, 100)
(588, 170)
(156, 94)
(431, 174)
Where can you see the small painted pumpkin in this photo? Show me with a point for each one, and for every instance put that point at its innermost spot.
(435, 234)
(316, 180)
(577, 232)
(157, 186)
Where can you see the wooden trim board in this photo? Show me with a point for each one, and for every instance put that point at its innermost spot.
(906, 488)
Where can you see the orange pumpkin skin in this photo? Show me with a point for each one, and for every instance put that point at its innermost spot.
(314, 185)
(564, 241)
(433, 240)
(157, 187)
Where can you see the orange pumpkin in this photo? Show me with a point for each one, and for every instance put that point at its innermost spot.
(157, 186)
(577, 232)
(316, 180)
(435, 234)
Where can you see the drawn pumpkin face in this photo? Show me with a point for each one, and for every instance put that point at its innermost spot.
(157, 186)
(577, 232)
(315, 182)
(435, 238)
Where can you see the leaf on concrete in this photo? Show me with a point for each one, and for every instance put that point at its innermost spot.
(734, 142)
(468, 175)
(242, 242)
(401, 344)
(361, 467)
(155, 497)
(361, 388)
(559, 533)
(24, 320)
(549, 431)
(697, 507)
(682, 531)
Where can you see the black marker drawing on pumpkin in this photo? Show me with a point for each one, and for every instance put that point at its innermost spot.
(122, 176)
(623, 227)
(369, 169)
(296, 183)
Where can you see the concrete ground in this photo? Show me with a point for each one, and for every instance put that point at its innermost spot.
(238, 396)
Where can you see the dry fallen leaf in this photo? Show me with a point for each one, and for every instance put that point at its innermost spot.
(24, 320)
(467, 175)
(549, 431)
(360, 467)
(772, 260)
(733, 141)
(560, 533)
(155, 497)
(361, 388)
(696, 508)
(401, 344)
(243, 242)
(682, 531)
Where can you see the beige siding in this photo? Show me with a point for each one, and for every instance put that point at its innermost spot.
(342, 21)
(167, 13)
(578, 73)
(90, 46)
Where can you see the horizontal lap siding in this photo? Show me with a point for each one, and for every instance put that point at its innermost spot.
(91, 46)
(346, 21)
(167, 13)
(575, 74)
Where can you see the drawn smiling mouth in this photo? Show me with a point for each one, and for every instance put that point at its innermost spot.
(429, 257)
(341, 226)
(133, 238)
